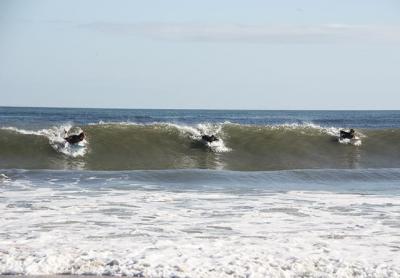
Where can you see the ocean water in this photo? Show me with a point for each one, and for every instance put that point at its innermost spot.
(277, 196)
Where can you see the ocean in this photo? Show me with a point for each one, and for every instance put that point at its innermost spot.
(278, 195)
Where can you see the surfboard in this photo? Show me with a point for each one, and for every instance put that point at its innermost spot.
(73, 150)
(356, 141)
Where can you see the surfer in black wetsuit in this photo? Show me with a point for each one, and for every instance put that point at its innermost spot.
(209, 138)
(347, 134)
(75, 138)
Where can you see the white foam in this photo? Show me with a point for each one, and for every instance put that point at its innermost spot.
(4, 179)
(186, 234)
(355, 141)
(123, 123)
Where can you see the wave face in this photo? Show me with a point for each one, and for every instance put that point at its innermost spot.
(123, 146)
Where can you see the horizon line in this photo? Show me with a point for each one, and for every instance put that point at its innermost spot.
(206, 109)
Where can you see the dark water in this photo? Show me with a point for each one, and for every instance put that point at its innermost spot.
(365, 181)
(46, 117)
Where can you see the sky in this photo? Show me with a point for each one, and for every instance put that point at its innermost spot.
(208, 54)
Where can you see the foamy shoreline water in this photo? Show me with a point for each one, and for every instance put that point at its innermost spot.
(52, 276)
(113, 226)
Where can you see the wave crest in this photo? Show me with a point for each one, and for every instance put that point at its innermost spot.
(126, 146)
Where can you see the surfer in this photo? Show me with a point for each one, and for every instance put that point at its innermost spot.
(209, 138)
(75, 138)
(347, 134)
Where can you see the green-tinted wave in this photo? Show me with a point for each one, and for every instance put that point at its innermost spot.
(168, 146)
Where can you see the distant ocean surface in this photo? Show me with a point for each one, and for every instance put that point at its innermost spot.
(276, 196)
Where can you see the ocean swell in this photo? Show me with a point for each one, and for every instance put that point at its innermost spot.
(128, 146)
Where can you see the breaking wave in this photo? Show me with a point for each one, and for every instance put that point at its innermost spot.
(127, 146)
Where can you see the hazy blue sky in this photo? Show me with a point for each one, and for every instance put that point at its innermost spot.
(337, 54)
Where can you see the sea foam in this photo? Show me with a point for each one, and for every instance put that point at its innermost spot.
(78, 225)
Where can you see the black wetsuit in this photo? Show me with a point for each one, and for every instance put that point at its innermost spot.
(209, 138)
(76, 138)
(347, 135)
